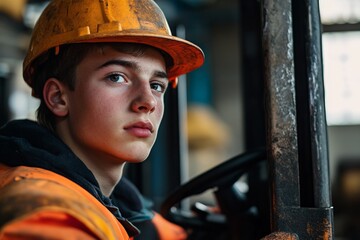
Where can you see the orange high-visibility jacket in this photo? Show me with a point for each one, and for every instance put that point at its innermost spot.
(39, 204)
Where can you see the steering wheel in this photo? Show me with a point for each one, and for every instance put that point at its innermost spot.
(233, 204)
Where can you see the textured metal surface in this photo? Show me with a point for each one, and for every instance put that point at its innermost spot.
(296, 123)
(281, 236)
(318, 126)
(307, 223)
(280, 102)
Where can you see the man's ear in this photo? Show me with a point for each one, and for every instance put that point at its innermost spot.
(55, 97)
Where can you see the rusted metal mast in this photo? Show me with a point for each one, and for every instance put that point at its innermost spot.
(296, 124)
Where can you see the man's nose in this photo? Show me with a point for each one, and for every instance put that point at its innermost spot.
(144, 100)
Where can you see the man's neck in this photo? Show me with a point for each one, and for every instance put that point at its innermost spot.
(106, 169)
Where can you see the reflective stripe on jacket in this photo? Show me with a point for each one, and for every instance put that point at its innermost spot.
(39, 204)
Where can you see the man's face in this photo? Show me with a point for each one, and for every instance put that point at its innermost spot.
(117, 105)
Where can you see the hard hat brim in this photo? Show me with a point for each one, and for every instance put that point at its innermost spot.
(185, 55)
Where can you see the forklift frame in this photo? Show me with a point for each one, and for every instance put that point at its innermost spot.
(295, 120)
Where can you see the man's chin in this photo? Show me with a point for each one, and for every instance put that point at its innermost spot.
(137, 158)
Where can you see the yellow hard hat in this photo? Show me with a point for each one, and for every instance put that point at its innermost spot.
(136, 21)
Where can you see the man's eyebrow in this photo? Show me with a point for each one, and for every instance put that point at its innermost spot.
(120, 62)
(161, 74)
(132, 65)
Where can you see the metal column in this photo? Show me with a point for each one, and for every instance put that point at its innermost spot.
(296, 124)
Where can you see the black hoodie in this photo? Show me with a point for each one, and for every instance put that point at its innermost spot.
(26, 143)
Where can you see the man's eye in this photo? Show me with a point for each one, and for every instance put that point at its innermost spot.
(158, 87)
(116, 78)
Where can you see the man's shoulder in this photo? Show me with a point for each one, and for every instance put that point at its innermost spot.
(20, 175)
(39, 187)
(26, 191)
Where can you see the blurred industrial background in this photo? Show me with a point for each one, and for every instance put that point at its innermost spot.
(219, 103)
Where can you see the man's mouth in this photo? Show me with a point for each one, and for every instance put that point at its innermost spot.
(140, 129)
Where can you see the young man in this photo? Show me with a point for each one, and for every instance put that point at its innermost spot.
(100, 69)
